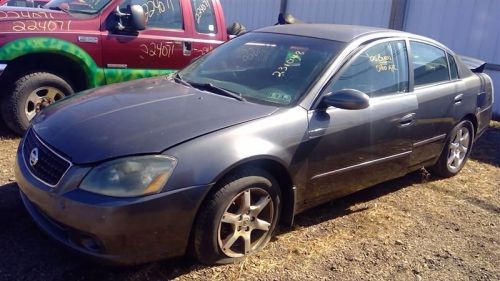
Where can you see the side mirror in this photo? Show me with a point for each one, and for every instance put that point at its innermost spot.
(133, 19)
(346, 99)
(137, 17)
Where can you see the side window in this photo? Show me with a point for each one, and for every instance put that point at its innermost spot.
(429, 64)
(160, 13)
(377, 71)
(453, 67)
(204, 16)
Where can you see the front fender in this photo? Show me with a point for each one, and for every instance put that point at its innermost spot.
(209, 157)
(33, 45)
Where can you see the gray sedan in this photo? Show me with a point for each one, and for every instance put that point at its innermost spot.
(270, 124)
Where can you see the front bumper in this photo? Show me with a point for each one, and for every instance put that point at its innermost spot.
(112, 230)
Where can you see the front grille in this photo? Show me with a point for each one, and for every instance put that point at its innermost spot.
(50, 166)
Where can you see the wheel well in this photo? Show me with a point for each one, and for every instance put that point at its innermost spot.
(473, 119)
(57, 64)
(280, 173)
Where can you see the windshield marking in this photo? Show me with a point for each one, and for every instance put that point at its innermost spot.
(25, 15)
(202, 8)
(44, 25)
(153, 7)
(292, 60)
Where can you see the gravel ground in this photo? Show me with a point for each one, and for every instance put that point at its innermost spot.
(414, 228)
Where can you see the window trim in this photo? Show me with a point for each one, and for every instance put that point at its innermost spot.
(448, 55)
(410, 58)
(354, 54)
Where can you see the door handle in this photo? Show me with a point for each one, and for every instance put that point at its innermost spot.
(407, 120)
(186, 48)
(458, 98)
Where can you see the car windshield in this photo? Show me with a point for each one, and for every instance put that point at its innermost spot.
(77, 6)
(264, 68)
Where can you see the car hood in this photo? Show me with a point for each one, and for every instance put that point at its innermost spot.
(139, 117)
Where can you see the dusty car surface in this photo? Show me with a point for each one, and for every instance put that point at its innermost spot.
(276, 121)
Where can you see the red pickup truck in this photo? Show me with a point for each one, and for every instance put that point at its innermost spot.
(72, 45)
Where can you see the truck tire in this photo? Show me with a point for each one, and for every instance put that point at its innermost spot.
(28, 95)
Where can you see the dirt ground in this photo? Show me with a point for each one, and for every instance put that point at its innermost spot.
(415, 228)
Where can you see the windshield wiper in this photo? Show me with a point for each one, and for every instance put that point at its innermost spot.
(217, 90)
(178, 79)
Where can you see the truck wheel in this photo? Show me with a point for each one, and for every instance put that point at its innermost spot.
(30, 94)
(238, 219)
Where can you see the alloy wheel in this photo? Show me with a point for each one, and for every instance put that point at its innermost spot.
(458, 148)
(246, 222)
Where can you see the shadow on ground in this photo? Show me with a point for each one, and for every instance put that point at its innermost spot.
(487, 148)
(5, 132)
(28, 254)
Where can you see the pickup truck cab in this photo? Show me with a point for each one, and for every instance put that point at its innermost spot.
(72, 45)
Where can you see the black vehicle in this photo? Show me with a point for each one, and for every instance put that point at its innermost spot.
(267, 125)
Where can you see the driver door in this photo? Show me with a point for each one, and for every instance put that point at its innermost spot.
(353, 149)
(162, 47)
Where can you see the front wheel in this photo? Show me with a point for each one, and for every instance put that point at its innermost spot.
(238, 219)
(456, 151)
(30, 94)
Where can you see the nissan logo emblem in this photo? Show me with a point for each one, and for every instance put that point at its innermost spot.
(34, 156)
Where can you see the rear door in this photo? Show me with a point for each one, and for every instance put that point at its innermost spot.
(165, 45)
(208, 26)
(439, 93)
(353, 149)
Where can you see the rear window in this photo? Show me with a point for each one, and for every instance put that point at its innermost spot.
(204, 16)
(429, 64)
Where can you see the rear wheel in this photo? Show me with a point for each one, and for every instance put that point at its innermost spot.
(30, 94)
(238, 219)
(456, 151)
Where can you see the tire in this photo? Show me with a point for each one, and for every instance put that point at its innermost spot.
(456, 150)
(28, 95)
(223, 223)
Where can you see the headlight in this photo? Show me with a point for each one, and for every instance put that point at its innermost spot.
(131, 176)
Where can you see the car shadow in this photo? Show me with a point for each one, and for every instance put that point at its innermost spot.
(5, 133)
(28, 254)
(487, 147)
(345, 206)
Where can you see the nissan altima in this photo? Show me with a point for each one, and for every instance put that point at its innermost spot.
(208, 161)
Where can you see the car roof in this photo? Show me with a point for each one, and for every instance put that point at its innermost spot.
(336, 32)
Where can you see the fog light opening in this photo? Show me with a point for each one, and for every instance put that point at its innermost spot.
(87, 242)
